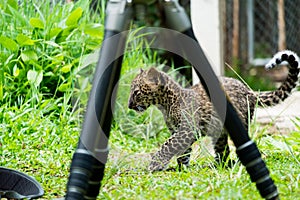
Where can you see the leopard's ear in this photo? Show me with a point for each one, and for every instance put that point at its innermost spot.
(141, 70)
(152, 76)
(153, 72)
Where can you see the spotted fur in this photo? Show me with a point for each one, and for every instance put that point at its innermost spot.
(189, 114)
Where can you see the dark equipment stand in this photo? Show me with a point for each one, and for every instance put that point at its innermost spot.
(88, 164)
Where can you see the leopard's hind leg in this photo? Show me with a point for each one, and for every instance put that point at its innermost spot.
(221, 147)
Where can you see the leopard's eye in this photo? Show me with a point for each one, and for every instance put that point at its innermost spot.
(135, 93)
(138, 98)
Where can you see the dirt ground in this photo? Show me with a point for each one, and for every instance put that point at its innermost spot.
(281, 115)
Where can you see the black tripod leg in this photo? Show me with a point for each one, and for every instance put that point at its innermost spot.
(88, 163)
(177, 19)
(247, 150)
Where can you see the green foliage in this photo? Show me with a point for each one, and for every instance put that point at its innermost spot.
(43, 52)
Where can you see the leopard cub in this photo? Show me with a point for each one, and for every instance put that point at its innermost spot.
(189, 113)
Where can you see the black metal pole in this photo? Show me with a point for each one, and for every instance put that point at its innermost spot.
(88, 163)
(247, 150)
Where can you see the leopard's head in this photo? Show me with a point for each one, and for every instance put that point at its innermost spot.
(145, 89)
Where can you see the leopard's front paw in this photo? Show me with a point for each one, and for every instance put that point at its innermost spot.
(156, 166)
(158, 163)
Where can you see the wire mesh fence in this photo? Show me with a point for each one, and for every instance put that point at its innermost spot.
(254, 30)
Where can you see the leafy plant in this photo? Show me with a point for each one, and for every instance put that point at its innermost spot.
(43, 55)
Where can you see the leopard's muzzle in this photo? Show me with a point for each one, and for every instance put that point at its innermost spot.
(138, 108)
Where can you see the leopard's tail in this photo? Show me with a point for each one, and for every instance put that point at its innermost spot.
(278, 95)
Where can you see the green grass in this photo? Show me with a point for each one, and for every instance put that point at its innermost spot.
(40, 126)
(39, 143)
(127, 176)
